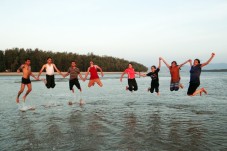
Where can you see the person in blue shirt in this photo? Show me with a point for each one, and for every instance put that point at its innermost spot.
(195, 72)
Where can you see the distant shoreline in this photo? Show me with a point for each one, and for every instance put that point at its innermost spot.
(36, 73)
(215, 70)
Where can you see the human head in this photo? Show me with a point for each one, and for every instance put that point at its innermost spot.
(91, 63)
(173, 63)
(49, 60)
(73, 63)
(130, 65)
(153, 68)
(28, 61)
(196, 62)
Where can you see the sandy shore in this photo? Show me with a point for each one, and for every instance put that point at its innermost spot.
(36, 73)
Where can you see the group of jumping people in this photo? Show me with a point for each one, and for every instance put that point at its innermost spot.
(74, 72)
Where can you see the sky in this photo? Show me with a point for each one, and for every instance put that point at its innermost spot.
(135, 30)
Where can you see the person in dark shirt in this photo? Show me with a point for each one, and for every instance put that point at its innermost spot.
(154, 78)
(195, 72)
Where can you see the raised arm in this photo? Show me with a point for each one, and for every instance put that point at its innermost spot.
(159, 65)
(184, 63)
(44, 66)
(209, 60)
(168, 66)
(190, 61)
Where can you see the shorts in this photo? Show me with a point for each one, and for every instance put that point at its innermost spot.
(132, 85)
(25, 81)
(74, 82)
(50, 81)
(192, 88)
(174, 86)
(93, 81)
(154, 86)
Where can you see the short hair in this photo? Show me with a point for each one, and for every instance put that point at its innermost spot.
(27, 59)
(198, 60)
(49, 58)
(153, 66)
(174, 62)
(73, 61)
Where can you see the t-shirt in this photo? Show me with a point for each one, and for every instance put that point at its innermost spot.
(195, 74)
(175, 75)
(130, 72)
(93, 73)
(73, 72)
(154, 75)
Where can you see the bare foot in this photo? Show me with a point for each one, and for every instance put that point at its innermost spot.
(126, 88)
(80, 90)
(24, 97)
(148, 89)
(203, 90)
(181, 86)
(17, 100)
(72, 90)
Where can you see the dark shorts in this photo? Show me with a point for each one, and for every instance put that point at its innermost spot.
(25, 81)
(50, 81)
(174, 86)
(192, 88)
(132, 85)
(154, 86)
(74, 82)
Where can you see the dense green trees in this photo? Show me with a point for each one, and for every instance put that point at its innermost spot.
(11, 59)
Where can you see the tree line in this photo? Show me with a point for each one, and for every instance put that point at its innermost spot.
(11, 59)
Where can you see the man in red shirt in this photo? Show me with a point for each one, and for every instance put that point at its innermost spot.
(94, 78)
(132, 85)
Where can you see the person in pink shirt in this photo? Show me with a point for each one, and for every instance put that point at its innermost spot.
(132, 85)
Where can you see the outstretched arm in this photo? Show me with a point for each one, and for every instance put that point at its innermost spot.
(59, 72)
(81, 77)
(86, 74)
(183, 63)
(190, 61)
(100, 70)
(208, 61)
(167, 65)
(34, 76)
(66, 75)
(159, 65)
(44, 66)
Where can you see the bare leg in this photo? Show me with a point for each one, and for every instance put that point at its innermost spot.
(181, 86)
(73, 90)
(200, 91)
(28, 91)
(19, 93)
(158, 93)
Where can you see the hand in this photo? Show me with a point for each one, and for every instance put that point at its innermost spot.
(18, 71)
(160, 58)
(190, 60)
(213, 54)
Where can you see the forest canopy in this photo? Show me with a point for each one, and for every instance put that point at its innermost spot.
(11, 59)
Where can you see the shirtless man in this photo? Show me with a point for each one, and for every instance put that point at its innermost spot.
(50, 67)
(26, 68)
(94, 78)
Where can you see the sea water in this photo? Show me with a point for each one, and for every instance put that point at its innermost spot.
(113, 118)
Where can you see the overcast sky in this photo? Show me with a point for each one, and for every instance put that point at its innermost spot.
(136, 30)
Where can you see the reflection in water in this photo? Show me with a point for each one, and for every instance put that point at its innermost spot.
(24, 133)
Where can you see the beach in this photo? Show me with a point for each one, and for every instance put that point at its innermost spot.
(113, 118)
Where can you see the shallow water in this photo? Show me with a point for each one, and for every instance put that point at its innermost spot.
(113, 118)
